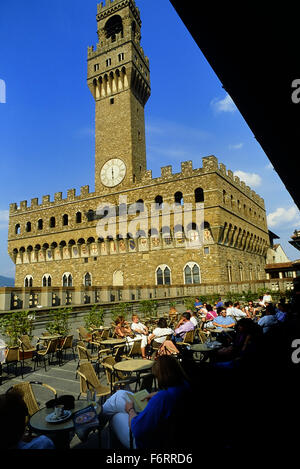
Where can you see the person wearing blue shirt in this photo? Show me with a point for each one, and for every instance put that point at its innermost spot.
(281, 314)
(198, 304)
(148, 426)
(222, 320)
(220, 303)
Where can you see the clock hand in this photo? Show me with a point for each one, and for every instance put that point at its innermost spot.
(112, 173)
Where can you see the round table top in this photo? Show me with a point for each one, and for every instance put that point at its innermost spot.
(113, 341)
(134, 365)
(202, 348)
(49, 337)
(39, 424)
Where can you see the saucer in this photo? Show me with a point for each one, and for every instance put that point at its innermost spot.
(51, 418)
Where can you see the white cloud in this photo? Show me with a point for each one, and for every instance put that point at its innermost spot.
(4, 215)
(283, 216)
(223, 105)
(251, 179)
(236, 146)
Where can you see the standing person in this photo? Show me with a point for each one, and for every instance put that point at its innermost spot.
(267, 298)
(151, 426)
(183, 326)
(141, 332)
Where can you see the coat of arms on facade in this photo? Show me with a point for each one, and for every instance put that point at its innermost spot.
(132, 244)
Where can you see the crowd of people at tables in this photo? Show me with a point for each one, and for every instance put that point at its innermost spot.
(240, 328)
(157, 425)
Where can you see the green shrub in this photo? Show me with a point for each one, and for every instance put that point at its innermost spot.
(95, 317)
(58, 323)
(13, 325)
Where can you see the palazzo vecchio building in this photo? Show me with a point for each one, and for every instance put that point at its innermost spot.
(55, 242)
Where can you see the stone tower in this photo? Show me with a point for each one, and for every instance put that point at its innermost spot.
(119, 79)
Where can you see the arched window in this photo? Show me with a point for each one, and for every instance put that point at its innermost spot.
(163, 275)
(40, 224)
(65, 220)
(46, 281)
(199, 195)
(28, 227)
(17, 229)
(178, 198)
(90, 215)
(113, 26)
(191, 273)
(87, 280)
(159, 202)
(28, 281)
(139, 205)
(67, 280)
(78, 217)
(52, 222)
(224, 197)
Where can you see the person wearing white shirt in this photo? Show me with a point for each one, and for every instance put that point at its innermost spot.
(235, 311)
(194, 319)
(267, 298)
(141, 332)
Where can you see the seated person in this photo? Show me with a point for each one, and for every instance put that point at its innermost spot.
(222, 320)
(159, 337)
(194, 319)
(13, 413)
(198, 304)
(183, 326)
(219, 303)
(173, 313)
(122, 328)
(245, 345)
(235, 311)
(250, 310)
(281, 312)
(150, 426)
(269, 320)
(140, 332)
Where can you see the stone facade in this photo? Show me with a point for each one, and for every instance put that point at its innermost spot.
(59, 243)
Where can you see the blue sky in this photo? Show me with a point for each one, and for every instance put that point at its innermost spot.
(47, 121)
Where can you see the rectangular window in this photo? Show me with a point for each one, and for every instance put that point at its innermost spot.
(86, 259)
(206, 250)
(95, 258)
(96, 67)
(112, 100)
(121, 56)
(108, 62)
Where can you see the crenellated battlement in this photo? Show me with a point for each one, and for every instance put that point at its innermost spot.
(209, 164)
(47, 203)
(106, 8)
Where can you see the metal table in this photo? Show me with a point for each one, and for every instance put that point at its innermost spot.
(58, 432)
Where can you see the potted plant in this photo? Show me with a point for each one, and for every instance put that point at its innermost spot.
(58, 323)
(14, 325)
(95, 317)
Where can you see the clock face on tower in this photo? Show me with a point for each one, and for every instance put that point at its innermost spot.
(113, 172)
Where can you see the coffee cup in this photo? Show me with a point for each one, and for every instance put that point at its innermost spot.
(59, 411)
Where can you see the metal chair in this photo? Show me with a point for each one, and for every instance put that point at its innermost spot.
(90, 381)
(49, 352)
(13, 358)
